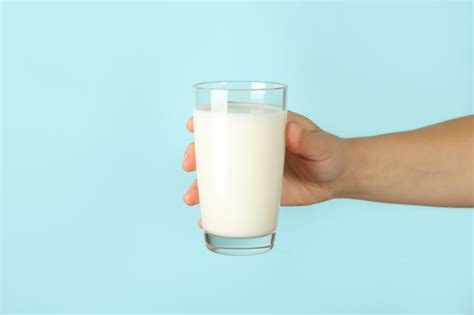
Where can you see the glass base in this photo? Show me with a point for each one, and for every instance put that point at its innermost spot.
(239, 246)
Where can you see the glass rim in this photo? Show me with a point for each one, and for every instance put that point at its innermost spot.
(208, 85)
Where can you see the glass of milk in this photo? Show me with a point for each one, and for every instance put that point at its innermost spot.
(239, 131)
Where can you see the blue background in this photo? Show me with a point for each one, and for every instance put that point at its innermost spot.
(95, 98)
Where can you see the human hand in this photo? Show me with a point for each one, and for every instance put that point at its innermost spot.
(315, 163)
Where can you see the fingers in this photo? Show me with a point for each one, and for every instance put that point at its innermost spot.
(312, 145)
(189, 161)
(303, 121)
(293, 137)
(190, 124)
(191, 197)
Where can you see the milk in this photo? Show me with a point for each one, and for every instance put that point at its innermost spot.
(240, 154)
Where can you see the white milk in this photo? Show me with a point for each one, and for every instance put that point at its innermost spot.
(240, 155)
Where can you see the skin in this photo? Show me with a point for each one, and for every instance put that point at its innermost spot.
(430, 166)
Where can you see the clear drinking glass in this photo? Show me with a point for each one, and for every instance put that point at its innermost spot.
(239, 131)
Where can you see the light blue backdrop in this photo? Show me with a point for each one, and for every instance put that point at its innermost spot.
(95, 99)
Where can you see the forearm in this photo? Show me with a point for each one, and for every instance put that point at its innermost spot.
(427, 166)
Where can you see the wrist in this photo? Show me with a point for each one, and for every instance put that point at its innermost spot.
(346, 186)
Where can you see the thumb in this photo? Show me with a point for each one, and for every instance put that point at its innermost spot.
(311, 145)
